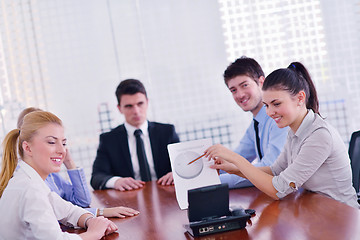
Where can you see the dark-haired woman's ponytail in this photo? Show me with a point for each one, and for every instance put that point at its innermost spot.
(302, 72)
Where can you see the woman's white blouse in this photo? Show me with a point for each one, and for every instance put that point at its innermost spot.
(29, 210)
(315, 158)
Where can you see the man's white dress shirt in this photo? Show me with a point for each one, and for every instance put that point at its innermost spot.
(133, 154)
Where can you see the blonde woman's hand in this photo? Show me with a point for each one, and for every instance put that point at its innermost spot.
(97, 227)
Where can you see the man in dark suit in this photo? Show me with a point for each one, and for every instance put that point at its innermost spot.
(121, 163)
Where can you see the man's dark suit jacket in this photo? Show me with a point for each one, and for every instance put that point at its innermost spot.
(113, 155)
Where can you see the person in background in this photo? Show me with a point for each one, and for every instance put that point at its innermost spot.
(76, 191)
(134, 152)
(29, 209)
(263, 140)
(314, 157)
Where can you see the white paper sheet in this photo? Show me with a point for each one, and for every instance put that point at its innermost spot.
(195, 175)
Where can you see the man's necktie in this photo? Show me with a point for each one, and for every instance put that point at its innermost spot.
(256, 126)
(143, 163)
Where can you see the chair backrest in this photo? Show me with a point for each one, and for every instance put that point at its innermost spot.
(354, 154)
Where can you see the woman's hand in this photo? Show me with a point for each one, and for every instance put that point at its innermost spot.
(97, 227)
(219, 151)
(68, 161)
(111, 228)
(228, 167)
(120, 212)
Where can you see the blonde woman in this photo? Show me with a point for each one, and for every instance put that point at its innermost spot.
(29, 209)
(76, 190)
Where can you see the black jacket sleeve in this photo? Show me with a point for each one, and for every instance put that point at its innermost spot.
(101, 171)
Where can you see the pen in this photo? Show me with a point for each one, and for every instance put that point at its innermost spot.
(196, 159)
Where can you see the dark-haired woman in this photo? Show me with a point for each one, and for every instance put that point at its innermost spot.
(314, 156)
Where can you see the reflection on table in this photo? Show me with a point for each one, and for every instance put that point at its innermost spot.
(301, 215)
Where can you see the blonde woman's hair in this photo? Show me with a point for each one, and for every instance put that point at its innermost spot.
(14, 139)
(23, 113)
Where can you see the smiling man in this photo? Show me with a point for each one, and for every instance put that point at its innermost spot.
(263, 140)
(134, 152)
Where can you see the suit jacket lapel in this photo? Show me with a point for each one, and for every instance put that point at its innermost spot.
(153, 141)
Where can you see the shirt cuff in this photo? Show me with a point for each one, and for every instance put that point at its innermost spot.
(93, 211)
(283, 187)
(74, 169)
(111, 182)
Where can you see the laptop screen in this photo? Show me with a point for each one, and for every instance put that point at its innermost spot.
(208, 202)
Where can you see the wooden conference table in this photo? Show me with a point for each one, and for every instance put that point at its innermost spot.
(301, 215)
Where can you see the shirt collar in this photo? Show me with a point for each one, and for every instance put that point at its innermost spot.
(305, 124)
(261, 115)
(131, 129)
(29, 171)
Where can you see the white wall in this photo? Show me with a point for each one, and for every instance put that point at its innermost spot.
(68, 57)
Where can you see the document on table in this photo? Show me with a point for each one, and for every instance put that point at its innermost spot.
(194, 175)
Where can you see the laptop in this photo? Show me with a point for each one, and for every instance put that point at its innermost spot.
(208, 211)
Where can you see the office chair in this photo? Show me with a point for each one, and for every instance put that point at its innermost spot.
(354, 154)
